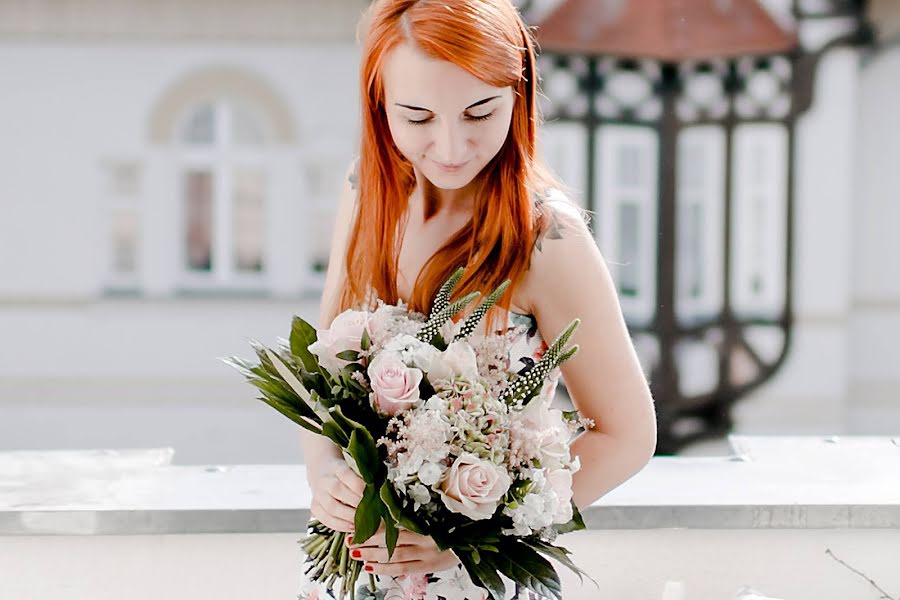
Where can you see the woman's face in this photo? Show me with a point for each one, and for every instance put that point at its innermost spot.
(446, 122)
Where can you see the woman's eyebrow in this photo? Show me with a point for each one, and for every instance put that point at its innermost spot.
(479, 103)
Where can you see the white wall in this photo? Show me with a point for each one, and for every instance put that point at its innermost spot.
(66, 108)
(875, 325)
(810, 391)
(710, 564)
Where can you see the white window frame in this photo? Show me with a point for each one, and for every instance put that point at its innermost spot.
(610, 197)
(222, 158)
(705, 195)
(564, 147)
(759, 184)
(114, 201)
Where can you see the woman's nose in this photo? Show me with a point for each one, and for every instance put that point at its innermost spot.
(450, 145)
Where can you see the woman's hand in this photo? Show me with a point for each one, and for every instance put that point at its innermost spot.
(336, 494)
(414, 554)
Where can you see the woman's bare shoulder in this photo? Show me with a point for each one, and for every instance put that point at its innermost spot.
(558, 218)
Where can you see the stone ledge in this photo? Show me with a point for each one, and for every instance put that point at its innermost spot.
(771, 482)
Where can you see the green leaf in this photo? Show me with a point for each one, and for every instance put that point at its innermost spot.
(560, 554)
(350, 355)
(362, 449)
(286, 374)
(522, 563)
(292, 414)
(392, 503)
(315, 382)
(368, 515)
(302, 335)
(576, 524)
(365, 341)
(335, 434)
(483, 575)
(347, 377)
(391, 533)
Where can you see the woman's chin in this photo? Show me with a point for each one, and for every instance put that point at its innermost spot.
(449, 181)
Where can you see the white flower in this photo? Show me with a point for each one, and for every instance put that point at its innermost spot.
(413, 352)
(473, 487)
(420, 494)
(538, 417)
(559, 482)
(423, 355)
(458, 360)
(430, 473)
(344, 334)
(449, 329)
(436, 403)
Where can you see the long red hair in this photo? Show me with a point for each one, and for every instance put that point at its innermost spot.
(488, 39)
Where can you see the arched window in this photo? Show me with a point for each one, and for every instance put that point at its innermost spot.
(223, 192)
(219, 180)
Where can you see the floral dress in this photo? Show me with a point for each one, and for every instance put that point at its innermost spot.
(454, 583)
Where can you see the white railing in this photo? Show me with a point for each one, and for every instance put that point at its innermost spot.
(797, 518)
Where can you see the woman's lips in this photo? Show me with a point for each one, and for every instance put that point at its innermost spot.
(451, 168)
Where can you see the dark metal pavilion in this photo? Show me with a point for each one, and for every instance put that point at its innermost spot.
(684, 114)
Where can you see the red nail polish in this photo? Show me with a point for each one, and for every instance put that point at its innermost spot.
(356, 554)
(368, 567)
(349, 538)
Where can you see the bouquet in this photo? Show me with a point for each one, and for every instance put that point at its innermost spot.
(450, 444)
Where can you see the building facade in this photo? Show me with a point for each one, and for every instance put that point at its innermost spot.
(169, 178)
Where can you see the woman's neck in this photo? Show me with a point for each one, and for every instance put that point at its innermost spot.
(438, 202)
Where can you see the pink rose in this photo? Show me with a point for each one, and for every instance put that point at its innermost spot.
(395, 387)
(345, 333)
(473, 487)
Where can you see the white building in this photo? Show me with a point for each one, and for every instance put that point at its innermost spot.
(168, 176)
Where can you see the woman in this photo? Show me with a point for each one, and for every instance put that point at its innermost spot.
(448, 175)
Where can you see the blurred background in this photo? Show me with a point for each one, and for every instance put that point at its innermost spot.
(169, 174)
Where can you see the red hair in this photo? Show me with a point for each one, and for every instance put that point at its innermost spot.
(488, 39)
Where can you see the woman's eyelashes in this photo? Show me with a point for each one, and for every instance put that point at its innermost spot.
(469, 117)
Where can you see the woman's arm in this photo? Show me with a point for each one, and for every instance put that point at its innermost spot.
(569, 279)
(319, 452)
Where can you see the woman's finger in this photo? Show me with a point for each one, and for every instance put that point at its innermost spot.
(401, 554)
(396, 569)
(404, 538)
(444, 560)
(339, 490)
(353, 482)
(337, 517)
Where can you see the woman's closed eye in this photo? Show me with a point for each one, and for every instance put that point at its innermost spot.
(469, 117)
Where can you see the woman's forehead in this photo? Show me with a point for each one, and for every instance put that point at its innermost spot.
(413, 78)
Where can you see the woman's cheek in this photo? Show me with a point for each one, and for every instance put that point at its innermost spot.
(399, 135)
